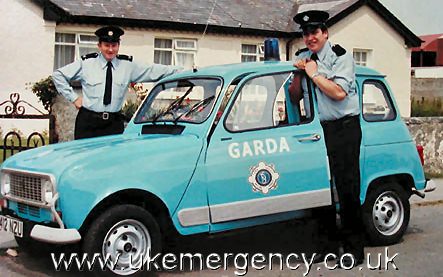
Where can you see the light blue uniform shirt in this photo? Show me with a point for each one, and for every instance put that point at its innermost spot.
(341, 70)
(91, 72)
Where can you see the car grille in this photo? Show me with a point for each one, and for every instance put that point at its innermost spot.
(28, 210)
(26, 187)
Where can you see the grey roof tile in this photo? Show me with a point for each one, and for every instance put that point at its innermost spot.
(266, 16)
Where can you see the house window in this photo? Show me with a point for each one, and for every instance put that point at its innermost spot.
(361, 56)
(252, 52)
(179, 52)
(69, 47)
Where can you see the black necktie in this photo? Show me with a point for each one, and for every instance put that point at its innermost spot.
(108, 85)
(314, 57)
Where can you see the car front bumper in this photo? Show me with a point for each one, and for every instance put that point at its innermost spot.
(49, 233)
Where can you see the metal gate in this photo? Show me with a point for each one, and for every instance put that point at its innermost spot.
(13, 142)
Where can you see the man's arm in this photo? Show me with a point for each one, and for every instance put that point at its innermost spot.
(295, 89)
(328, 87)
(62, 78)
(152, 73)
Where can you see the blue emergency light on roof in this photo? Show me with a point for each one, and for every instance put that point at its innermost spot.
(272, 51)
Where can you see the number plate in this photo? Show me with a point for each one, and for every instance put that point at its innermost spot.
(11, 225)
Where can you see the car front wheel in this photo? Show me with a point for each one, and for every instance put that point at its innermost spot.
(126, 234)
(386, 214)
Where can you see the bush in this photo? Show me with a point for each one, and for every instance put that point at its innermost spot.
(129, 108)
(46, 92)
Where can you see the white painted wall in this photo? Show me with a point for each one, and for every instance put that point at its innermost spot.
(211, 49)
(364, 29)
(28, 52)
(428, 72)
(27, 49)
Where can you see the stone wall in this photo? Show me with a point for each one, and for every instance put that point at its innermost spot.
(65, 114)
(429, 88)
(428, 132)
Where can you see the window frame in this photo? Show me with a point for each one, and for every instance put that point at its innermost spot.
(244, 81)
(360, 51)
(387, 96)
(177, 49)
(259, 52)
(77, 44)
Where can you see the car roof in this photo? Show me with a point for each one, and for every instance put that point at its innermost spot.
(239, 69)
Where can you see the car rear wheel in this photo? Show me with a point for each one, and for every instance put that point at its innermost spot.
(126, 234)
(386, 213)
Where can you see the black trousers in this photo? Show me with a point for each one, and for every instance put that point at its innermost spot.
(343, 139)
(89, 124)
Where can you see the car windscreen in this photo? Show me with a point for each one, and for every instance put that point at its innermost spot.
(184, 100)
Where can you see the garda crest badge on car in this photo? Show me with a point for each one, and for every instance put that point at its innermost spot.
(263, 177)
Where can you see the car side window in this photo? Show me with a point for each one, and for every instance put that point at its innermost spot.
(261, 103)
(377, 105)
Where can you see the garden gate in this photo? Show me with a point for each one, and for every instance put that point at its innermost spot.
(13, 142)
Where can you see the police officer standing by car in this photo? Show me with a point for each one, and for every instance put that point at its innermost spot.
(332, 70)
(104, 77)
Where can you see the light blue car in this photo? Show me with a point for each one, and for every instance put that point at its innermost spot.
(209, 150)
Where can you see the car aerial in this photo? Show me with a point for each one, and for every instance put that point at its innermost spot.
(209, 150)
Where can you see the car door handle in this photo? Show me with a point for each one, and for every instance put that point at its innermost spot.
(314, 137)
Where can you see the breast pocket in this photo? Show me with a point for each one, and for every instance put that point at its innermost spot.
(119, 89)
(93, 87)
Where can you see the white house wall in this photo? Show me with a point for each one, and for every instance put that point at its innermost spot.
(27, 48)
(364, 29)
(211, 49)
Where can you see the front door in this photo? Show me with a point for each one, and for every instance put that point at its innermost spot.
(260, 161)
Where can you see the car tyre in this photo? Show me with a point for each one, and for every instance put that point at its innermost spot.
(124, 231)
(386, 213)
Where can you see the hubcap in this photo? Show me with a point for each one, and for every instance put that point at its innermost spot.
(388, 213)
(126, 244)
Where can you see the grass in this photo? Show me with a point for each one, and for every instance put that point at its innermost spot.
(426, 107)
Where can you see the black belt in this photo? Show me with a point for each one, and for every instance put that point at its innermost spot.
(101, 115)
(341, 122)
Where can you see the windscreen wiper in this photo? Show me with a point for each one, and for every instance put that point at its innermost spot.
(176, 103)
(202, 103)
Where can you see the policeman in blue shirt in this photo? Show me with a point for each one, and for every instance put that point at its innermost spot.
(332, 71)
(104, 77)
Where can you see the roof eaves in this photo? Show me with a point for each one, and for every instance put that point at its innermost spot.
(169, 25)
(411, 40)
(51, 11)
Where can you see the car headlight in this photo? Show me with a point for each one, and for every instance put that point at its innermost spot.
(48, 190)
(5, 183)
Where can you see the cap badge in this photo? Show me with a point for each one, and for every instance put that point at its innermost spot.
(305, 18)
(110, 33)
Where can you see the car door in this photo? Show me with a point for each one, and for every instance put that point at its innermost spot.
(260, 161)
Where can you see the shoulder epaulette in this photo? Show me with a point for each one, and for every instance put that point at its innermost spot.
(338, 50)
(89, 56)
(124, 57)
(301, 51)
